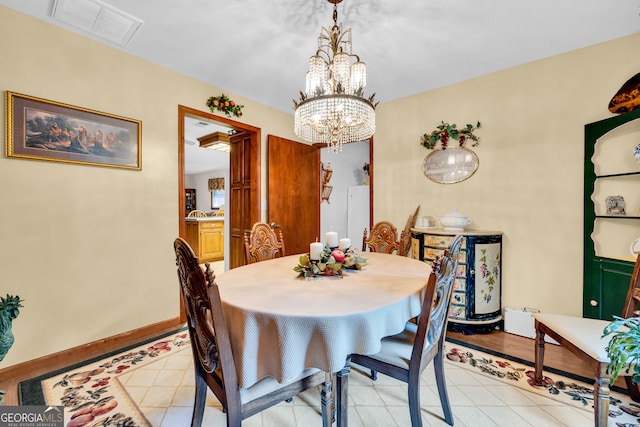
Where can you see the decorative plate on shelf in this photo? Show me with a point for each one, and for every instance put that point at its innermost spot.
(615, 205)
(635, 247)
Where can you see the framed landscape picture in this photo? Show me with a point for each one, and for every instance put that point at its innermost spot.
(39, 129)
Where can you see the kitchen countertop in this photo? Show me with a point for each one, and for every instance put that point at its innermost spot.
(205, 219)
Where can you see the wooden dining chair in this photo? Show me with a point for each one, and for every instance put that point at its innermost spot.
(196, 214)
(265, 242)
(583, 337)
(404, 356)
(212, 354)
(405, 234)
(383, 238)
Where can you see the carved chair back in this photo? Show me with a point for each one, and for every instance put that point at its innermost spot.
(383, 238)
(404, 356)
(265, 242)
(196, 214)
(212, 354)
(432, 322)
(210, 344)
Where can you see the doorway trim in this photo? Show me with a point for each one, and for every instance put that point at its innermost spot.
(183, 112)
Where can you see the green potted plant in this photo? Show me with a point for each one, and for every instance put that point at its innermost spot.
(624, 347)
(9, 311)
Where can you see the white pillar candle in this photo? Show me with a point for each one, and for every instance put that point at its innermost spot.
(315, 251)
(332, 239)
(345, 243)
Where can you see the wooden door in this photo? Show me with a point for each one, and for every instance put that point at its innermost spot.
(294, 192)
(245, 196)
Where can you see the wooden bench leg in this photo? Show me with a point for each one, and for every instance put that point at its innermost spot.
(601, 400)
(326, 400)
(539, 356)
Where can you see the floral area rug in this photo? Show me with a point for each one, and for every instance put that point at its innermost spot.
(623, 412)
(91, 393)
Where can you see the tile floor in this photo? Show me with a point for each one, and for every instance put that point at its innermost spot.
(164, 392)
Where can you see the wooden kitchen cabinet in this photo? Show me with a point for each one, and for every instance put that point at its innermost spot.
(206, 237)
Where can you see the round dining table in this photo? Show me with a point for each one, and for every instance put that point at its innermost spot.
(280, 324)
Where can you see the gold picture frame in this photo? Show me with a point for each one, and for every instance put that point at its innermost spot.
(40, 129)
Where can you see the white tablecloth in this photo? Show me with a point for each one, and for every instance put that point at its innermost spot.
(280, 324)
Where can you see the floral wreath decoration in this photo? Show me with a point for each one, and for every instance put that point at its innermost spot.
(224, 104)
(445, 131)
(332, 263)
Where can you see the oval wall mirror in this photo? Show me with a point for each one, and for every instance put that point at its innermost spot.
(455, 164)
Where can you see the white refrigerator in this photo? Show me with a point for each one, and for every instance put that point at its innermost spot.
(357, 213)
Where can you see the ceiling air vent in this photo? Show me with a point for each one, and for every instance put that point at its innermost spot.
(97, 18)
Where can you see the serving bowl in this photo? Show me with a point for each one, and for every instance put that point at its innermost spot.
(454, 220)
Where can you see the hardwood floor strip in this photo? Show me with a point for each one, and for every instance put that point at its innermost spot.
(556, 357)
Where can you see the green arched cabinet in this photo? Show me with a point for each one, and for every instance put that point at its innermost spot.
(607, 275)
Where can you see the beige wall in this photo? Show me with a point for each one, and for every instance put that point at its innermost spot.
(89, 248)
(530, 181)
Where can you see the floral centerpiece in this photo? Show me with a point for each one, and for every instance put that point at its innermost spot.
(444, 132)
(224, 104)
(624, 347)
(332, 262)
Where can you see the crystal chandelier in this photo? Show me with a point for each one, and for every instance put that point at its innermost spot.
(333, 109)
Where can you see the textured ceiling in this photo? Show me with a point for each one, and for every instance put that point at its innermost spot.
(197, 159)
(259, 49)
